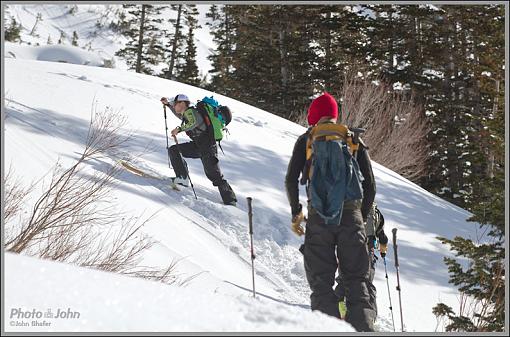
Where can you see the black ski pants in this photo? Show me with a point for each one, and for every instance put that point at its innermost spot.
(326, 248)
(340, 287)
(208, 155)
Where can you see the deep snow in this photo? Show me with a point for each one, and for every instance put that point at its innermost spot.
(47, 112)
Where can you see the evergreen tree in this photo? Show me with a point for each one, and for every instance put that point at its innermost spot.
(62, 37)
(12, 32)
(222, 26)
(257, 71)
(482, 31)
(296, 60)
(338, 36)
(272, 57)
(143, 48)
(187, 71)
(74, 41)
(174, 48)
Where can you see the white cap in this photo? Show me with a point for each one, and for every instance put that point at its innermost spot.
(181, 97)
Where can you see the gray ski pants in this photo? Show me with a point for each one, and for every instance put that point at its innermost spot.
(347, 242)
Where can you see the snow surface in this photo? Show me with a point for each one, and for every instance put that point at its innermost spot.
(54, 53)
(103, 42)
(47, 113)
(117, 303)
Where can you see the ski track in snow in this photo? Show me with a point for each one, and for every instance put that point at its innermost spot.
(229, 226)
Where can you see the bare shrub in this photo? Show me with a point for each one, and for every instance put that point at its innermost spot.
(299, 117)
(75, 219)
(15, 196)
(396, 127)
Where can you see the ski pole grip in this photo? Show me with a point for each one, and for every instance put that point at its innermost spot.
(394, 231)
(250, 213)
(164, 110)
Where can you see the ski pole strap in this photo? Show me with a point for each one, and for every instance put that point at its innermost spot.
(394, 231)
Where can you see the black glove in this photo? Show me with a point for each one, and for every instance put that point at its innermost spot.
(297, 211)
(383, 243)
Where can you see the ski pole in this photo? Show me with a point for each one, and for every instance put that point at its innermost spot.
(185, 166)
(250, 215)
(389, 294)
(166, 132)
(394, 231)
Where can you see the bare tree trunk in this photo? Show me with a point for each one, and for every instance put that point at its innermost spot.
(173, 56)
(140, 42)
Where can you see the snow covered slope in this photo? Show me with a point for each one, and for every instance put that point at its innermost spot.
(54, 53)
(47, 115)
(91, 24)
(126, 304)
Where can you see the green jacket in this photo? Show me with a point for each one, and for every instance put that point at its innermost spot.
(192, 122)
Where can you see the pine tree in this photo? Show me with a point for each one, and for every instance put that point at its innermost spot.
(62, 37)
(484, 278)
(272, 58)
(222, 26)
(339, 36)
(296, 58)
(173, 49)
(74, 41)
(256, 75)
(143, 48)
(187, 71)
(13, 31)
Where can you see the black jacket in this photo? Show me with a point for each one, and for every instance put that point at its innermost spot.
(297, 165)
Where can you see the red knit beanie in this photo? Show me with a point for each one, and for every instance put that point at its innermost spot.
(322, 106)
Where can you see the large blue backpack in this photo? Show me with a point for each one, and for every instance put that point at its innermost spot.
(331, 170)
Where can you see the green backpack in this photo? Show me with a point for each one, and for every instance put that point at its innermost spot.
(215, 116)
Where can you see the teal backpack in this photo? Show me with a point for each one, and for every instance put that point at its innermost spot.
(216, 117)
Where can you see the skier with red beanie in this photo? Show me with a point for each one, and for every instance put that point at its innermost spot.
(335, 235)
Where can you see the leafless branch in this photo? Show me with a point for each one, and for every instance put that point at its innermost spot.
(75, 220)
(396, 126)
